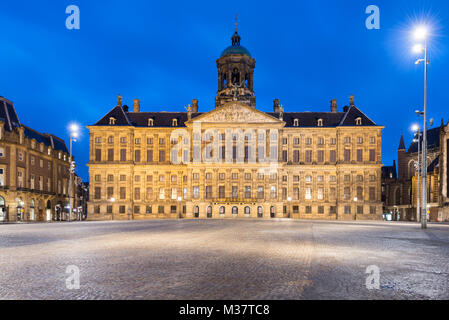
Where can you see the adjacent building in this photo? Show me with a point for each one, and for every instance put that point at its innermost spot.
(34, 171)
(400, 192)
(235, 160)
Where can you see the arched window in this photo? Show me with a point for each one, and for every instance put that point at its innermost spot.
(150, 122)
(2, 209)
(112, 120)
(273, 211)
(260, 212)
(222, 210)
(320, 122)
(235, 76)
(296, 122)
(247, 210)
(174, 123)
(196, 212)
(209, 211)
(358, 121)
(235, 210)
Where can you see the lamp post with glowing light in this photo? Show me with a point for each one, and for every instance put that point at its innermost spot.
(289, 199)
(418, 168)
(73, 135)
(421, 34)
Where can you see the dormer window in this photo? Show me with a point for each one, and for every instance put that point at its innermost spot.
(320, 122)
(49, 151)
(150, 122)
(358, 121)
(112, 120)
(296, 123)
(174, 122)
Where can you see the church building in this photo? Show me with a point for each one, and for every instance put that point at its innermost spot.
(234, 160)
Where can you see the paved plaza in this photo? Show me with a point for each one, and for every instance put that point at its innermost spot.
(224, 259)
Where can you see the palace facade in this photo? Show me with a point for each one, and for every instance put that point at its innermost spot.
(34, 171)
(235, 160)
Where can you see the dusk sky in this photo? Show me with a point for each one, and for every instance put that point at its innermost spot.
(164, 53)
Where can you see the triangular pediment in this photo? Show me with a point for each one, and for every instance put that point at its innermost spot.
(236, 112)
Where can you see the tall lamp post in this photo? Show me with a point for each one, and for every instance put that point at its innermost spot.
(73, 135)
(418, 168)
(421, 34)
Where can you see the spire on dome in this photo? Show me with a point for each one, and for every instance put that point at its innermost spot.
(236, 38)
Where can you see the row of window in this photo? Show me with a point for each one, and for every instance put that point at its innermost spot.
(234, 210)
(358, 193)
(261, 137)
(235, 176)
(308, 157)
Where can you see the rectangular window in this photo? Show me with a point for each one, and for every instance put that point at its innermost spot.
(332, 156)
(160, 209)
(332, 209)
(359, 209)
(161, 155)
(308, 194)
(372, 193)
(161, 193)
(97, 193)
(359, 155)
(320, 194)
(308, 209)
(149, 193)
(137, 155)
(347, 193)
(110, 192)
(273, 192)
(347, 209)
(221, 192)
(308, 156)
(208, 192)
(347, 155)
(122, 193)
(122, 154)
(284, 156)
(235, 192)
(320, 155)
(97, 154)
(122, 209)
(260, 192)
(149, 209)
(247, 192)
(149, 155)
(320, 209)
(196, 192)
(137, 193)
(110, 154)
(295, 156)
(109, 209)
(372, 155)
(372, 209)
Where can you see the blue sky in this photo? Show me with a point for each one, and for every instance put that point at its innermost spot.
(164, 53)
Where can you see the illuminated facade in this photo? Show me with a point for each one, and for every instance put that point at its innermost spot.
(34, 171)
(235, 160)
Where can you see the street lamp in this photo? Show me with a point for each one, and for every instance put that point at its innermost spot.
(418, 168)
(421, 34)
(112, 200)
(289, 199)
(74, 128)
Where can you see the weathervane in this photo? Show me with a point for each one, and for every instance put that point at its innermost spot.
(236, 15)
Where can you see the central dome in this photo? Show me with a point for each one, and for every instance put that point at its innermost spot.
(235, 50)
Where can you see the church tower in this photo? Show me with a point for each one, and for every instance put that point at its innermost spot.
(235, 74)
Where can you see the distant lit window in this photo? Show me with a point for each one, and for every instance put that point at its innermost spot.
(112, 120)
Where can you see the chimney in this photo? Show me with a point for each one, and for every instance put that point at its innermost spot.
(195, 105)
(334, 105)
(345, 109)
(125, 108)
(351, 101)
(119, 100)
(136, 105)
(276, 105)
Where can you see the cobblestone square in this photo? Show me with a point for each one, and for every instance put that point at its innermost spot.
(224, 259)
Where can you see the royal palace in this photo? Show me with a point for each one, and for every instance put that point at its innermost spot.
(235, 160)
